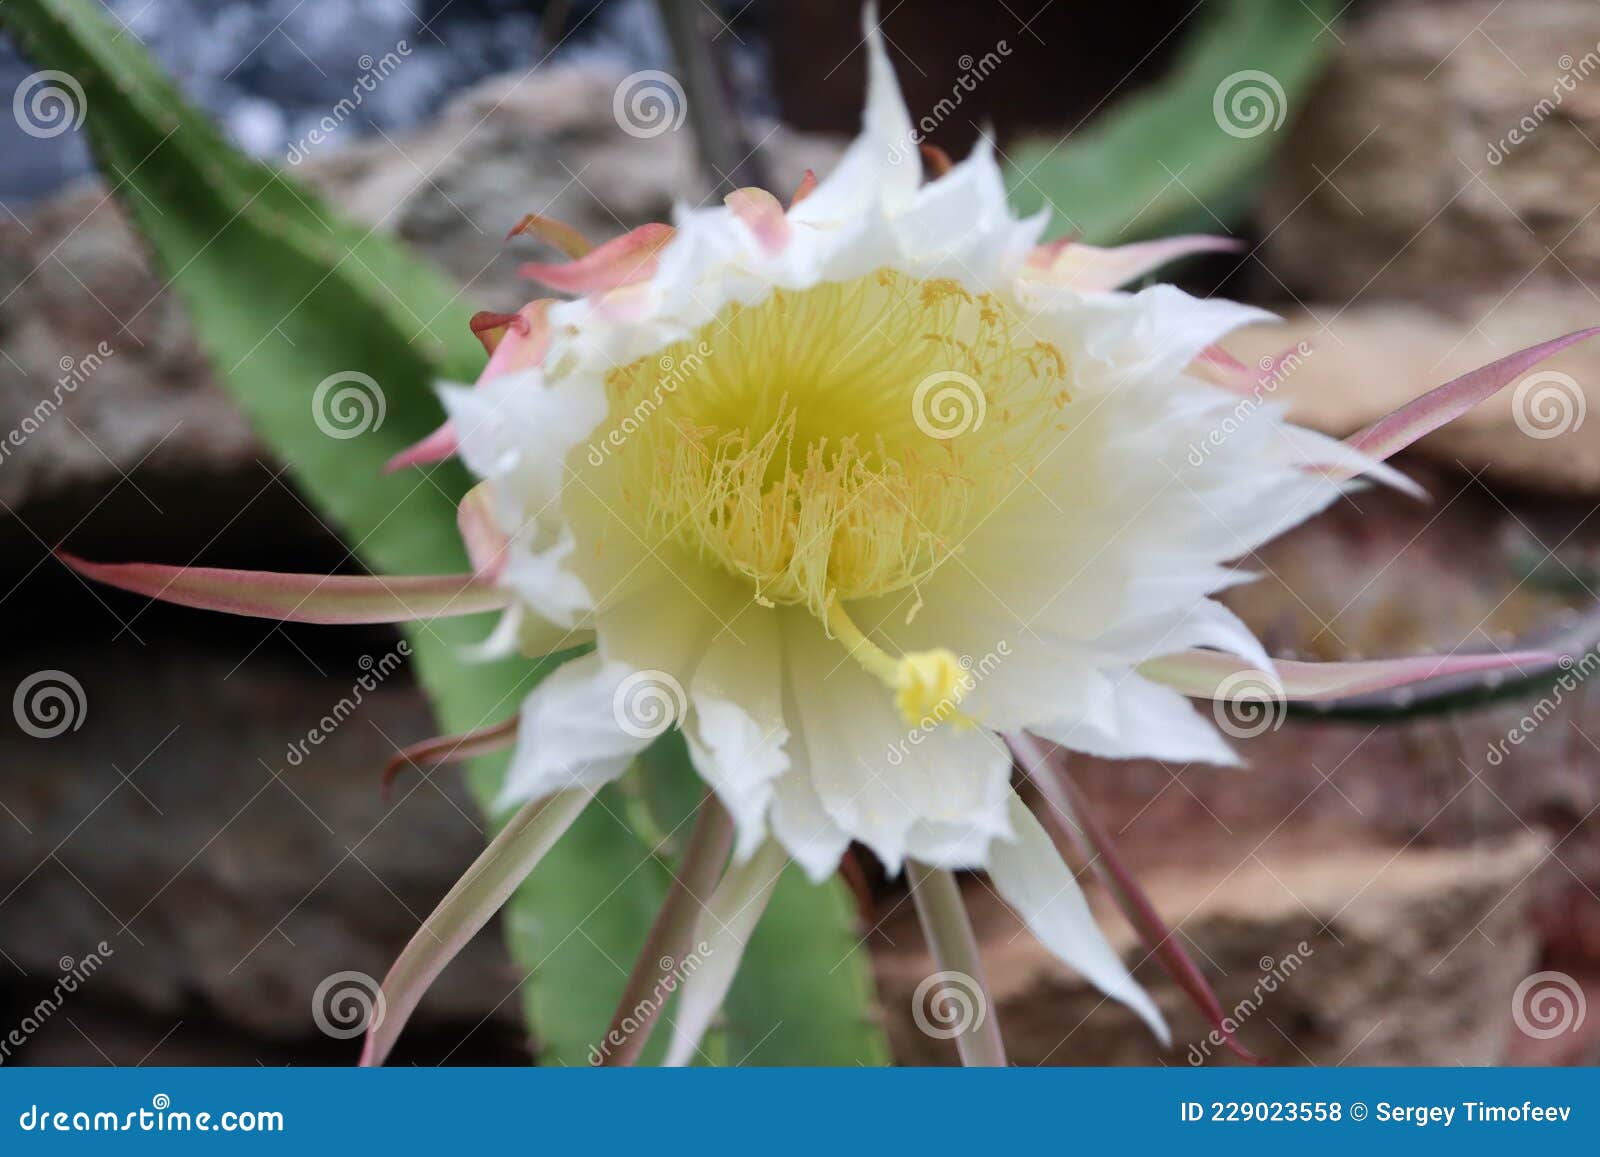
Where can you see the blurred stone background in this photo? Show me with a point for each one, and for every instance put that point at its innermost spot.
(1425, 881)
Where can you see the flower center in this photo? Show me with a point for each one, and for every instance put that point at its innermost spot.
(839, 442)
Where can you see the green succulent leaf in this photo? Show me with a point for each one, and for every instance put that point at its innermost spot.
(1186, 153)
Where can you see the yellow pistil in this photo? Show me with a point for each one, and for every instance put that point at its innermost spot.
(928, 685)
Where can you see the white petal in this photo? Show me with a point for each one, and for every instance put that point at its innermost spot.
(1123, 339)
(961, 227)
(1145, 721)
(1030, 876)
(522, 425)
(935, 791)
(799, 822)
(541, 576)
(883, 164)
(736, 732)
(571, 734)
(1206, 623)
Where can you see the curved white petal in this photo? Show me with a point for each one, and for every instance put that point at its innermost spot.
(1030, 876)
(571, 734)
(883, 163)
(961, 226)
(798, 819)
(936, 792)
(1142, 720)
(736, 730)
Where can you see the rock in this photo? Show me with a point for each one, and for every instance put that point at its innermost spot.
(1363, 360)
(1365, 956)
(1402, 178)
(231, 862)
(1430, 211)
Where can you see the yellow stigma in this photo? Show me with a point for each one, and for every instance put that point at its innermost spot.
(928, 685)
(837, 443)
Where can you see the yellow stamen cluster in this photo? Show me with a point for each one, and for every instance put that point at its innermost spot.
(839, 442)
